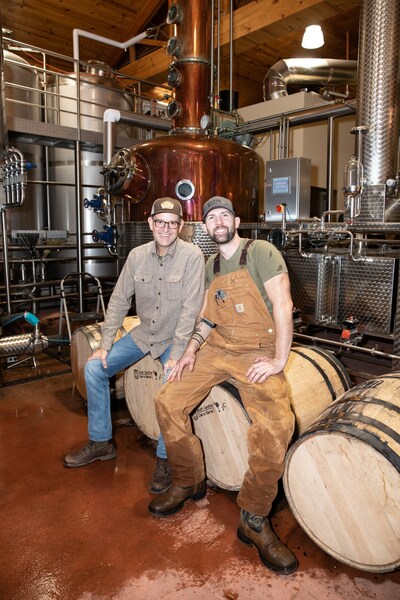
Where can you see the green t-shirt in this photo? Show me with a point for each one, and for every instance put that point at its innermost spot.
(264, 261)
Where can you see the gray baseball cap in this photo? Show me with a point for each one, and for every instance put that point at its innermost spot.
(217, 202)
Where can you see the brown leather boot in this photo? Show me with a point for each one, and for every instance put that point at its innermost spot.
(162, 477)
(89, 453)
(173, 500)
(256, 531)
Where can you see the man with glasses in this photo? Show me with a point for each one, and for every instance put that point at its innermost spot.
(166, 276)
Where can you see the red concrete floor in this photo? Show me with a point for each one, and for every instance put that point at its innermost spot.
(86, 534)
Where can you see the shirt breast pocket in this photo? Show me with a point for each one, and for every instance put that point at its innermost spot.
(173, 286)
(144, 285)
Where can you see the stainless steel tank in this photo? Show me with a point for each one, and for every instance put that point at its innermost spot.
(98, 90)
(23, 100)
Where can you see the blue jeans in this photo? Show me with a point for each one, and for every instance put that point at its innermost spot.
(123, 354)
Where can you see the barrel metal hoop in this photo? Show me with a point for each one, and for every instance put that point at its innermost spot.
(364, 436)
(341, 409)
(365, 384)
(369, 400)
(321, 371)
(389, 376)
(337, 365)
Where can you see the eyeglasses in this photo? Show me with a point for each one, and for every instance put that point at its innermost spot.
(171, 224)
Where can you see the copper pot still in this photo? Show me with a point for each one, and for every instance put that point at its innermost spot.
(191, 163)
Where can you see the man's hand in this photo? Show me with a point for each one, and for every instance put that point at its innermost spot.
(100, 354)
(262, 368)
(188, 359)
(171, 362)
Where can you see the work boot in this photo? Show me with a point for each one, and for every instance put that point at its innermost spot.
(89, 453)
(173, 500)
(162, 477)
(256, 531)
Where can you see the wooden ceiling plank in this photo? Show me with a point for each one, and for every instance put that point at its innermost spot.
(247, 19)
(141, 21)
(264, 32)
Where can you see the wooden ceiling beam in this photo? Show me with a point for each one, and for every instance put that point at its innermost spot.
(144, 16)
(260, 14)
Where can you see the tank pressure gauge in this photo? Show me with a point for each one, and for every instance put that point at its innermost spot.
(205, 122)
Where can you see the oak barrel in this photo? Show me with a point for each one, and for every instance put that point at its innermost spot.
(220, 421)
(85, 340)
(342, 477)
(315, 378)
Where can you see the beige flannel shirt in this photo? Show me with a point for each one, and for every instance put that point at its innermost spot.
(168, 294)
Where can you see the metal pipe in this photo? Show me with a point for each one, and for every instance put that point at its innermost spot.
(371, 351)
(287, 140)
(5, 256)
(329, 168)
(299, 117)
(3, 115)
(218, 53)
(212, 53)
(50, 260)
(120, 116)
(231, 56)
(329, 212)
(78, 210)
(77, 33)
(112, 116)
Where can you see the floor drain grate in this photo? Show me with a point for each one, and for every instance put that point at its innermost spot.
(35, 378)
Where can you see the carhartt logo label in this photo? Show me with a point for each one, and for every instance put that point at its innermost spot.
(167, 204)
(239, 308)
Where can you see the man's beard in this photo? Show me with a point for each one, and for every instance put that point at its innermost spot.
(223, 238)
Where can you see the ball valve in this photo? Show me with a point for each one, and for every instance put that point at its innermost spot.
(108, 236)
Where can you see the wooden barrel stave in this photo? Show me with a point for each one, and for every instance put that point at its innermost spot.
(142, 381)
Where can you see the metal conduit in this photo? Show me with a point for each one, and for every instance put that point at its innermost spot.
(371, 351)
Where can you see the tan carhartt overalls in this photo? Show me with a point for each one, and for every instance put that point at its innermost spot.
(244, 330)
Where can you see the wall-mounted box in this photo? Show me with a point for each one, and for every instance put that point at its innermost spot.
(287, 180)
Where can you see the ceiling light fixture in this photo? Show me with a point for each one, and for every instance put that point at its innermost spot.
(313, 37)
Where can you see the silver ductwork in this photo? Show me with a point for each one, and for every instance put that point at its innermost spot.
(378, 88)
(312, 71)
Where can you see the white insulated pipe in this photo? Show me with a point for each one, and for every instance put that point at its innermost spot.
(77, 33)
